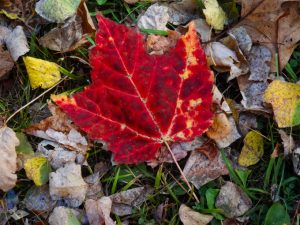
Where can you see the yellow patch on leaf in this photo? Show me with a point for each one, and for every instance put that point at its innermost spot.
(41, 73)
(252, 150)
(37, 169)
(285, 100)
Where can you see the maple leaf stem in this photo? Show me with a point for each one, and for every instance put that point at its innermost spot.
(181, 172)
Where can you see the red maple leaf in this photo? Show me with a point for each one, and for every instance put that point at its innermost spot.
(137, 101)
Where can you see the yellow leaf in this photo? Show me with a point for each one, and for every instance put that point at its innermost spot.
(252, 150)
(41, 73)
(214, 14)
(285, 100)
(37, 169)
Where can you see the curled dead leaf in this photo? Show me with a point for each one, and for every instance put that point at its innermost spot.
(8, 159)
(59, 128)
(67, 184)
(233, 201)
(274, 24)
(98, 212)
(191, 217)
(125, 201)
(204, 164)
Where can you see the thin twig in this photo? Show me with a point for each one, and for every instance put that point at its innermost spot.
(33, 100)
(181, 172)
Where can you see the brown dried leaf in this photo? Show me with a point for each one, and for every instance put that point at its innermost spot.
(223, 130)
(95, 189)
(159, 45)
(242, 37)
(179, 150)
(233, 200)
(59, 128)
(65, 38)
(158, 15)
(247, 121)
(243, 65)
(252, 93)
(67, 184)
(88, 26)
(63, 216)
(223, 58)
(125, 201)
(261, 25)
(98, 212)
(203, 29)
(191, 217)
(8, 159)
(287, 141)
(204, 165)
(6, 63)
(259, 60)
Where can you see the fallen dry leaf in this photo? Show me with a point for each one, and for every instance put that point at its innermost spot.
(296, 160)
(124, 202)
(288, 142)
(68, 185)
(57, 155)
(41, 73)
(98, 212)
(214, 14)
(232, 200)
(65, 38)
(158, 15)
(56, 10)
(37, 169)
(59, 128)
(6, 63)
(222, 58)
(159, 45)
(63, 216)
(88, 26)
(273, 23)
(191, 217)
(223, 130)
(180, 151)
(220, 123)
(204, 164)
(242, 37)
(285, 100)
(163, 155)
(246, 122)
(252, 150)
(242, 65)
(203, 29)
(259, 60)
(95, 189)
(15, 41)
(8, 159)
(252, 93)
(38, 199)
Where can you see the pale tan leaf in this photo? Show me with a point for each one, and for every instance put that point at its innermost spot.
(98, 212)
(191, 217)
(8, 159)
